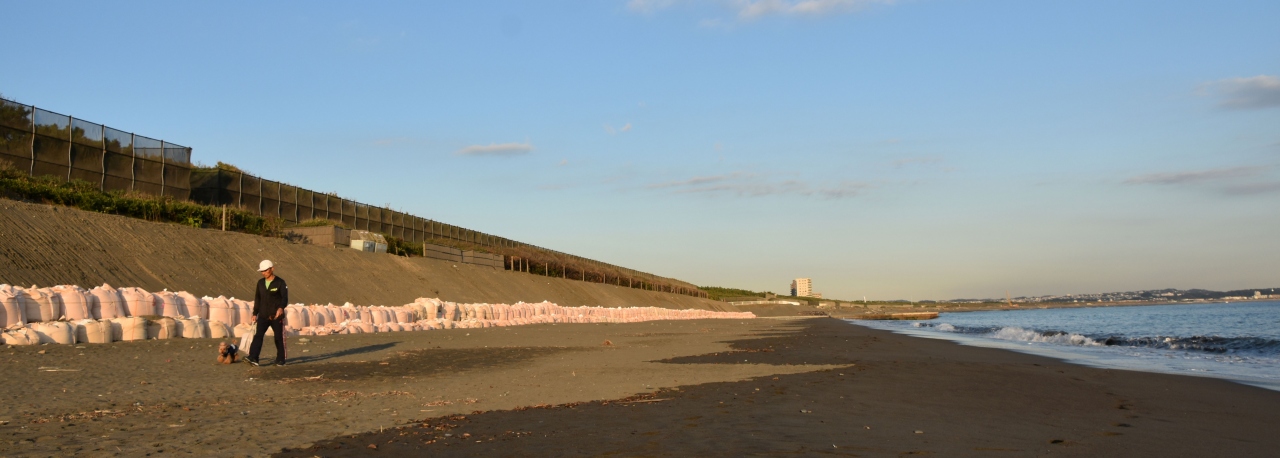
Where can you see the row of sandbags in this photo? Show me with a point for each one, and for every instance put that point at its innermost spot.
(136, 314)
(20, 305)
(105, 331)
(427, 314)
(121, 330)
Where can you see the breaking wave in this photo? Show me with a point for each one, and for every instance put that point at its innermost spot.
(1207, 344)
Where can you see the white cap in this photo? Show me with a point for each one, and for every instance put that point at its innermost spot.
(264, 265)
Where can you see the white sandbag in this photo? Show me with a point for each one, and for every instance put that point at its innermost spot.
(196, 307)
(139, 302)
(128, 329)
(222, 310)
(244, 310)
(20, 335)
(75, 302)
(193, 328)
(108, 303)
(59, 332)
(316, 317)
(43, 304)
(295, 317)
(219, 330)
(162, 328)
(170, 304)
(12, 311)
(243, 328)
(93, 331)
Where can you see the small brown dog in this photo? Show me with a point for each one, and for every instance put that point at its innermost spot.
(227, 353)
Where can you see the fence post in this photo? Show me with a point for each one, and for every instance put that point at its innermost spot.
(32, 170)
(133, 165)
(70, 163)
(102, 183)
(163, 163)
(224, 217)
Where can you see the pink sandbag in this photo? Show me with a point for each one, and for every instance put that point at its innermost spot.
(223, 311)
(92, 331)
(220, 330)
(12, 311)
(42, 304)
(75, 302)
(56, 332)
(170, 304)
(316, 317)
(139, 302)
(128, 329)
(20, 335)
(110, 304)
(295, 317)
(163, 328)
(244, 310)
(196, 307)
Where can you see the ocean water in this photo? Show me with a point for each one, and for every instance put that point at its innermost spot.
(1238, 341)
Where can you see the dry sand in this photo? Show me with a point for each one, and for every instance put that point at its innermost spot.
(713, 387)
(170, 397)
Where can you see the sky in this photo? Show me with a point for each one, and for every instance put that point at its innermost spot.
(887, 149)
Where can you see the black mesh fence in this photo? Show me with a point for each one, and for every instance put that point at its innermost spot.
(43, 142)
(46, 143)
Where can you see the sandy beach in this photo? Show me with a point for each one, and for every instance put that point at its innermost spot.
(711, 387)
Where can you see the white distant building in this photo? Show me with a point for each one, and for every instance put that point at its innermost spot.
(802, 287)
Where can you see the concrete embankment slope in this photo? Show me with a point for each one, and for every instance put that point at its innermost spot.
(47, 245)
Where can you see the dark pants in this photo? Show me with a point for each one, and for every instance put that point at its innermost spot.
(276, 326)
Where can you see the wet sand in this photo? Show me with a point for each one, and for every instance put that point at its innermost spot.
(814, 386)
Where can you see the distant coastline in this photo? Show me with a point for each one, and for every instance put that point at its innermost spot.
(854, 312)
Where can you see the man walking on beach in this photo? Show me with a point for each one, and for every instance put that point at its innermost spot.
(269, 302)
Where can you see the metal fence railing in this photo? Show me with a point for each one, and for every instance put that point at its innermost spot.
(220, 186)
(47, 143)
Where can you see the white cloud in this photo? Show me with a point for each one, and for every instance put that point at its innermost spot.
(649, 6)
(1262, 91)
(1232, 181)
(747, 10)
(744, 184)
(1197, 176)
(845, 189)
(927, 160)
(496, 149)
(612, 131)
(754, 9)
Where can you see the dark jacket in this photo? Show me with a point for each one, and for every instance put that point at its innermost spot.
(267, 303)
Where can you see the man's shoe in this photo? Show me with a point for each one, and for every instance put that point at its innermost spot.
(279, 363)
(252, 361)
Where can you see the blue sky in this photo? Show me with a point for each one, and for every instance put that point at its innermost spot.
(916, 149)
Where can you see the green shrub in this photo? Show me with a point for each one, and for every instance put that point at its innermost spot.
(18, 185)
